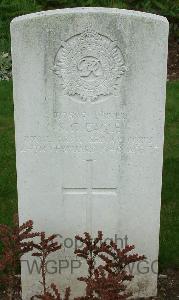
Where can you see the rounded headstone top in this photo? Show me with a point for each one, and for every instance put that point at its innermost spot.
(91, 10)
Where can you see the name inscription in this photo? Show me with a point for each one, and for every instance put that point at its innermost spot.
(88, 132)
(106, 122)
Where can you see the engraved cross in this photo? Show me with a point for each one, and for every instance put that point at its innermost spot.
(90, 190)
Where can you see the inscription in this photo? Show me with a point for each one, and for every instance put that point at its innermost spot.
(99, 131)
(93, 144)
(105, 122)
(89, 65)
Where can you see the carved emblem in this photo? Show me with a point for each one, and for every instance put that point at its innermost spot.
(89, 65)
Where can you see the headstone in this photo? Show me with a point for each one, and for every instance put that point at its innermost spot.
(89, 95)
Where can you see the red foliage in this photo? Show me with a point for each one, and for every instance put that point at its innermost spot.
(44, 248)
(105, 281)
(107, 263)
(54, 294)
(16, 241)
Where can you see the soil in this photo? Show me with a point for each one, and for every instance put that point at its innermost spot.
(173, 58)
(168, 286)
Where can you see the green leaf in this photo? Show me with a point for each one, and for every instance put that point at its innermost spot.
(160, 5)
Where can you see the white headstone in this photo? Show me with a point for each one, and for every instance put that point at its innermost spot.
(89, 94)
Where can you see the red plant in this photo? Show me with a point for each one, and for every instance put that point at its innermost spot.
(106, 281)
(106, 286)
(15, 243)
(54, 294)
(47, 246)
(106, 264)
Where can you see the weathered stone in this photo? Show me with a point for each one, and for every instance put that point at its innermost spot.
(89, 93)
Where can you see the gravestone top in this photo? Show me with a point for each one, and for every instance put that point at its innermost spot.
(86, 10)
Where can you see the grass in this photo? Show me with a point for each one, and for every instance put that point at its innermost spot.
(169, 237)
(8, 193)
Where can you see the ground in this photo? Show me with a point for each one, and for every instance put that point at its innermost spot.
(168, 287)
(173, 58)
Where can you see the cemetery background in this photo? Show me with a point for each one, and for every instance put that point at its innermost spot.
(169, 238)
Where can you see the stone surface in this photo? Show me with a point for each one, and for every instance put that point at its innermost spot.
(89, 94)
